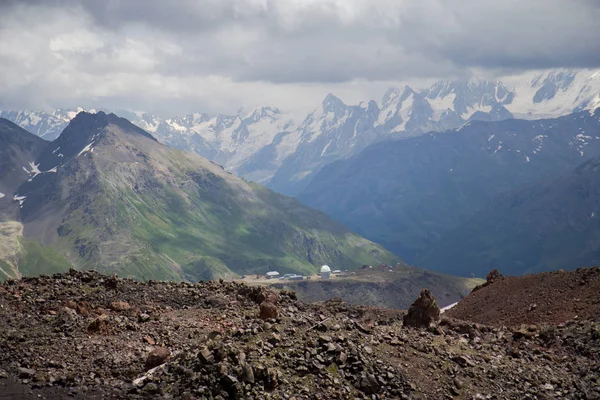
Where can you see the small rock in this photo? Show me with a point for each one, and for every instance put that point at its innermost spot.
(143, 317)
(158, 356)
(120, 306)
(26, 373)
(268, 311)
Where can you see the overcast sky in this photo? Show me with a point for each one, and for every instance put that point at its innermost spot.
(181, 56)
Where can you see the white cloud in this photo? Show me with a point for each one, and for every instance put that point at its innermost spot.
(220, 55)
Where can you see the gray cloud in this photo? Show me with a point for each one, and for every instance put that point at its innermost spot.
(162, 55)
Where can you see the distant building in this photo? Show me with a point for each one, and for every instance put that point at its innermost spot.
(272, 274)
(297, 278)
(336, 271)
(325, 272)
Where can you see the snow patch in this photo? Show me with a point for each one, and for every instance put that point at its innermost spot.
(34, 168)
(86, 149)
(20, 199)
(325, 149)
(491, 137)
(442, 104)
(1, 195)
(472, 110)
(448, 307)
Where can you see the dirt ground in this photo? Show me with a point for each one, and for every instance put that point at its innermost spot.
(546, 298)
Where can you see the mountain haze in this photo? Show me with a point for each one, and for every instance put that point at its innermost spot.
(108, 196)
(551, 224)
(408, 194)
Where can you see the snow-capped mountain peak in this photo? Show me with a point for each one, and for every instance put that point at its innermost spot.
(265, 142)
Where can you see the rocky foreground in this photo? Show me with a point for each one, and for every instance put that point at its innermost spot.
(85, 335)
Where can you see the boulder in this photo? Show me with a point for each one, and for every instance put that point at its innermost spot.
(423, 311)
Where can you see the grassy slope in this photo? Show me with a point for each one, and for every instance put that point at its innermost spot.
(173, 216)
(36, 259)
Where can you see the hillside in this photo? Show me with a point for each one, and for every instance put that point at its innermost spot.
(18, 151)
(548, 225)
(108, 196)
(18, 148)
(408, 194)
(83, 335)
(546, 298)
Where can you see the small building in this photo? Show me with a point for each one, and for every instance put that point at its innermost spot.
(272, 274)
(297, 278)
(336, 271)
(325, 272)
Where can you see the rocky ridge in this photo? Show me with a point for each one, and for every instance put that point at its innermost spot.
(87, 335)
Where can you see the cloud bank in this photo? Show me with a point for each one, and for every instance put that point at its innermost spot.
(220, 55)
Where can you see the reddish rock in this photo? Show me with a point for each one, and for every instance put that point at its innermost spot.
(71, 304)
(158, 356)
(99, 325)
(268, 310)
(120, 306)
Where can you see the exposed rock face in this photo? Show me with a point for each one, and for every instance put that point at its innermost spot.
(423, 311)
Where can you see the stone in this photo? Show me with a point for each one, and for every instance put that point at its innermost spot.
(247, 373)
(206, 355)
(268, 311)
(143, 317)
(423, 311)
(26, 373)
(158, 356)
(119, 306)
(99, 325)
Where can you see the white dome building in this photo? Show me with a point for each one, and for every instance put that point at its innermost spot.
(325, 272)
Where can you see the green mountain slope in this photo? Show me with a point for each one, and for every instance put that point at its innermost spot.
(545, 226)
(18, 149)
(121, 202)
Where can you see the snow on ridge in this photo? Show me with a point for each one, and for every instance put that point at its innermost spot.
(86, 149)
(34, 168)
(439, 105)
(472, 110)
(20, 199)
(2, 195)
(448, 307)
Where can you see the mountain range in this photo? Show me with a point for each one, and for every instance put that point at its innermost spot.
(269, 147)
(106, 195)
(486, 195)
